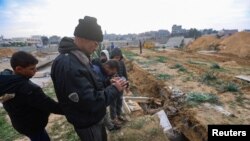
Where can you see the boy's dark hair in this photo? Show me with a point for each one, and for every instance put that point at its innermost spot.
(112, 63)
(22, 59)
(103, 54)
(116, 52)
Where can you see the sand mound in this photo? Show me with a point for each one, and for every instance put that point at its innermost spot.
(6, 52)
(204, 43)
(237, 44)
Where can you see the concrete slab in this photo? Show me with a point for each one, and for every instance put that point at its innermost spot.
(244, 77)
(138, 99)
(164, 121)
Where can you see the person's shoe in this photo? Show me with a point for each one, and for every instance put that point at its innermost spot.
(115, 127)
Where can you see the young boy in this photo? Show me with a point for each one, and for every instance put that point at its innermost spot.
(116, 105)
(30, 108)
(104, 73)
(104, 57)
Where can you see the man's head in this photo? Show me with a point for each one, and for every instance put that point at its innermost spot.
(104, 57)
(88, 34)
(24, 64)
(111, 67)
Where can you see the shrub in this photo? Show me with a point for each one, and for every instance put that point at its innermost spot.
(208, 76)
(182, 69)
(176, 66)
(215, 66)
(164, 76)
(231, 87)
(194, 98)
(161, 59)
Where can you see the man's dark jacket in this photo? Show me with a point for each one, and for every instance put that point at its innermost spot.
(72, 78)
(30, 108)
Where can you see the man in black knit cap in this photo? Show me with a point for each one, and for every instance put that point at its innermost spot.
(81, 98)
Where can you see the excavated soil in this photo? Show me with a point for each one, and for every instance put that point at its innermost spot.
(237, 44)
(6, 52)
(144, 71)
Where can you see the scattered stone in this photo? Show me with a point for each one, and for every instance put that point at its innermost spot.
(171, 110)
(176, 93)
(219, 109)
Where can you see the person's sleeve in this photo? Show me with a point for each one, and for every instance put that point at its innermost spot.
(38, 99)
(124, 70)
(106, 81)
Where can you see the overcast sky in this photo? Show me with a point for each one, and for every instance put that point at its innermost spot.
(23, 18)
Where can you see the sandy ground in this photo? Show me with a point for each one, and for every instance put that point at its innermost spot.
(190, 80)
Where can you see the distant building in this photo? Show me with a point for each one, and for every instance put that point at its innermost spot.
(162, 36)
(176, 42)
(31, 41)
(226, 32)
(35, 40)
(19, 40)
(1, 38)
(54, 39)
(177, 30)
(208, 31)
(187, 41)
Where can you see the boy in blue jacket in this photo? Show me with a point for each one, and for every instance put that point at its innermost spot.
(105, 72)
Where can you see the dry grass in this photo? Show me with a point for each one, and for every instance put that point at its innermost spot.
(145, 128)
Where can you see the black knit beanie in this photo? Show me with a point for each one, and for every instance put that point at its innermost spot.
(89, 29)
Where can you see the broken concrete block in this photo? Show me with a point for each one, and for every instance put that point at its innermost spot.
(164, 121)
(125, 106)
(133, 106)
(138, 99)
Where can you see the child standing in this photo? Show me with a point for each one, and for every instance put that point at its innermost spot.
(30, 108)
(104, 73)
(116, 105)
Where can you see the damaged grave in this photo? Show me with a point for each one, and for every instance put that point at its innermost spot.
(191, 88)
(137, 107)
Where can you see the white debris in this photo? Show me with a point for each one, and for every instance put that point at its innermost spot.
(164, 121)
(219, 109)
(176, 93)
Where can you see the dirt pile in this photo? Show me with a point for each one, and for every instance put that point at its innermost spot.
(6, 52)
(204, 43)
(141, 79)
(238, 44)
(40, 54)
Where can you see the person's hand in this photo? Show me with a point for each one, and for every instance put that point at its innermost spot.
(120, 84)
(113, 79)
(127, 90)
